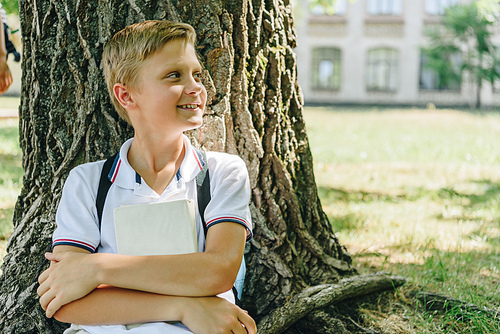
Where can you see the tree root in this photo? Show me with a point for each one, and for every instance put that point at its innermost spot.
(317, 297)
(434, 301)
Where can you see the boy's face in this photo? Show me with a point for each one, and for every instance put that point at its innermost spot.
(170, 95)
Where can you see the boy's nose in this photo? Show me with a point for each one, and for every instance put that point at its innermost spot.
(194, 87)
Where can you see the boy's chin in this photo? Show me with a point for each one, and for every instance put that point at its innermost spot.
(195, 124)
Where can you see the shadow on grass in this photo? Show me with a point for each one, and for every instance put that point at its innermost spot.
(328, 194)
(6, 223)
(468, 276)
(492, 193)
(462, 276)
(10, 154)
(11, 169)
(347, 222)
(489, 199)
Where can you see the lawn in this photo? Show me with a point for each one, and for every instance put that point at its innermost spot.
(11, 173)
(411, 191)
(9, 102)
(416, 193)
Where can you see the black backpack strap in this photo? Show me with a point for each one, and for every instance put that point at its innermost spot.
(203, 190)
(104, 185)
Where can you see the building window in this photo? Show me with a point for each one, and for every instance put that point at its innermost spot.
(382, 69)
(326, 68)
(443, 74)
(339, 8)
(384, 7)
(437, 7)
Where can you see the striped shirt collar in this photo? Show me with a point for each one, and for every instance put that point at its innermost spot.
(123, 175)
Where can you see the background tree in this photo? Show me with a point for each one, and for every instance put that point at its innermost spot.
(254, 110)
(465, 29)
(11, 6)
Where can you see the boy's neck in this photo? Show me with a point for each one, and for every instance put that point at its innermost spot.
(156, 159)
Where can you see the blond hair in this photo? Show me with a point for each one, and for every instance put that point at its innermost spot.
(125, 53)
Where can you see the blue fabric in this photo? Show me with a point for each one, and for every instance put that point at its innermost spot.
(240, 278)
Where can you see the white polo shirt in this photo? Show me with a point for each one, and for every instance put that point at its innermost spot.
(76, 217)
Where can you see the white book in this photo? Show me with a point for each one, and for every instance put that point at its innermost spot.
(166, 228)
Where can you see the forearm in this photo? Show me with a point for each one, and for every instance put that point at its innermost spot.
(110, 306)
(69, 290)
(114, 306)
(74, 273)
(198, 274)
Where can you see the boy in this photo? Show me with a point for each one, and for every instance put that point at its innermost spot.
(154, 78)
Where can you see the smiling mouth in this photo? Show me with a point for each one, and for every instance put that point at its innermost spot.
(188, 106)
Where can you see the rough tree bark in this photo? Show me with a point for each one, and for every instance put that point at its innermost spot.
(255, 111)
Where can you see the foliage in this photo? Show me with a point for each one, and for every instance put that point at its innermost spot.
(11, 6)
(328, 6)
(440, 59)
(466, 29)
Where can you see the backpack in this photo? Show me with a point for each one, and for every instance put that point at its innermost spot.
(203, 196)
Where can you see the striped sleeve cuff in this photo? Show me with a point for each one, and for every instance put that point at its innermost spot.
(75, 243)
(232, 220)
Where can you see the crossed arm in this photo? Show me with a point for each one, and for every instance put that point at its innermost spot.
(148, 288)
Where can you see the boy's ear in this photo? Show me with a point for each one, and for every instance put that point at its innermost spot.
(124, 96)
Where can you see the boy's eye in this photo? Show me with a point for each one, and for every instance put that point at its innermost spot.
(173, 75)
(197, 75)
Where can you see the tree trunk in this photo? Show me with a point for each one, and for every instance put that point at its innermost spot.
(479, 88)
(255, 111)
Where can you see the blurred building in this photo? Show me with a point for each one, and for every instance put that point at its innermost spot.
(369, 53)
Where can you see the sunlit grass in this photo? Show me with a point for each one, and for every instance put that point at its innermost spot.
(417, 193)
(11, 173)
(9, 102)
(409, 135)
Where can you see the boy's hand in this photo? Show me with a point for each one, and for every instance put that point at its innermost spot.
(216, 315)
(70, 276)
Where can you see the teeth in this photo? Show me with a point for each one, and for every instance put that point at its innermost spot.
(189, 106)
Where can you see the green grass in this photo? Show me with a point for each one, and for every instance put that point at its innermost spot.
(11, 171)
(412, 136)
(11, 174)
(417, 193)
(9, 102)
